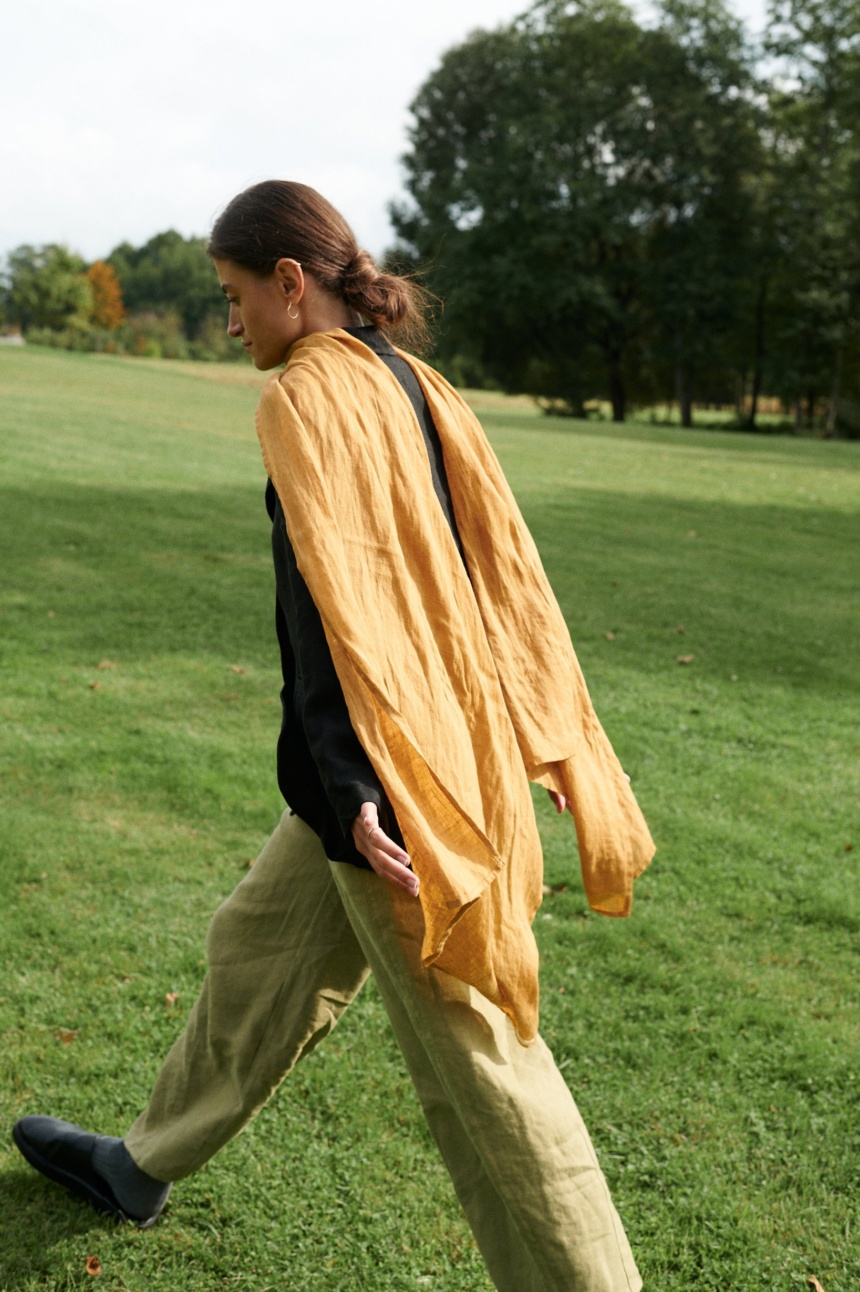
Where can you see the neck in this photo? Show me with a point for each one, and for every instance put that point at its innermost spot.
(321, 312)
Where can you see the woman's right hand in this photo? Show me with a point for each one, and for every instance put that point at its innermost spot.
(385, 856)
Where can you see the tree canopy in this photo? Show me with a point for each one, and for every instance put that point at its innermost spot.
(47, 286)
(108, 309)
(169, 272)
(610, 209)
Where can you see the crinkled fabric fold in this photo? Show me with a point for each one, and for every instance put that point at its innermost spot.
(460, 686)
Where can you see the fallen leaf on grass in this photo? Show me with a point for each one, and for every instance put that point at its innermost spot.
(95, 686)
(686, 659)
(93, 1266)
(66, 1034)
(171, 998)
(849, 847)
(610, 637)
(52, 614)
(236, 668)
(814, 1284)
(680, 629)
(106, 663)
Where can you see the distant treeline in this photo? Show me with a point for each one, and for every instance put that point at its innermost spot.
(161, 300)
(647, 212)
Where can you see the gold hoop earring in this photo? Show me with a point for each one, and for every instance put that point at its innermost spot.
(292, 312)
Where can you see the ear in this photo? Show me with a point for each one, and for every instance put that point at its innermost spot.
(290, 278)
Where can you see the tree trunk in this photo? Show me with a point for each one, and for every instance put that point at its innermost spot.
(798, 413)
(810, 409)
(682, 394)
(616, 388)
(759, 353)
(836, 394)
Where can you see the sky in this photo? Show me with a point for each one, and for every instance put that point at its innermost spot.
(118, 121)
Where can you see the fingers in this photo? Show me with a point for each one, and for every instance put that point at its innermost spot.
(559, 801)
(385, 856)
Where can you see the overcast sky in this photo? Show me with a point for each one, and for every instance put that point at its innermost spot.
(120, 120)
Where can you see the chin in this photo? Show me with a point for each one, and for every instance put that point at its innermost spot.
(266, 362)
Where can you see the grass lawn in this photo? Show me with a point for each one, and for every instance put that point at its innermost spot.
(711, 1040)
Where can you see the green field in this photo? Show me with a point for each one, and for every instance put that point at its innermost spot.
(711, 1040)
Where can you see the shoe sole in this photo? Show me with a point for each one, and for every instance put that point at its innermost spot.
(102, 1201)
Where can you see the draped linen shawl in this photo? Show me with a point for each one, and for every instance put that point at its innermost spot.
(461, 686)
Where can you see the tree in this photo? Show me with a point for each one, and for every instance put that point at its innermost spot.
(815, 155)
(169, 272)
(47, 287)
(519, 204)
(108, 310)
(576, 186)
(701, 149)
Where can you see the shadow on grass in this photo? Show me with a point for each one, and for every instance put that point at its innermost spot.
(91, 571)
(36, 1216)
(763, 446)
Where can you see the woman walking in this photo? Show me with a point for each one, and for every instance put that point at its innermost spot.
(428, 676)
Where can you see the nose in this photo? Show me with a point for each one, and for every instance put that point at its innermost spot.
(234, 322)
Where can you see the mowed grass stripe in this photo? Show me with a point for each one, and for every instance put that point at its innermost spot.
(711, 1040)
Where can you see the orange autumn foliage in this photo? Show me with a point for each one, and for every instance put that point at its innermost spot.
(108, 310)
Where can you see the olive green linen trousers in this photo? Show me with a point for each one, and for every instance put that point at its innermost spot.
(287, 952)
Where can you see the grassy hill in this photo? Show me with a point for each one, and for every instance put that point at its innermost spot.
(711, 1041)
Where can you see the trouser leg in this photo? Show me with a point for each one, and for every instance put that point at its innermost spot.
(518, 1152)
(283, 964)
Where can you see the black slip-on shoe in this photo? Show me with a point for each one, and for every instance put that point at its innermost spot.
(64, 1153)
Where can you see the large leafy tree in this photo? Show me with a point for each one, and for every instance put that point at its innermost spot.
(575, 184)
(169, 272)
(519, 202)
(47, 287)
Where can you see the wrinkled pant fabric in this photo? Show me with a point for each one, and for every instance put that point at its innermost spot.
(287, 952)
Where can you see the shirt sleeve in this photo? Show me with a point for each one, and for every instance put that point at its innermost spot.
(344, 768)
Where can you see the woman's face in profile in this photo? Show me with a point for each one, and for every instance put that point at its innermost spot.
(259, 316)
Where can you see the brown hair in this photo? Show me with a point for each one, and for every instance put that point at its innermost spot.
(280, 218)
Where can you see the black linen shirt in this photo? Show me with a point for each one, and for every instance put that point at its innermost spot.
(323, 772)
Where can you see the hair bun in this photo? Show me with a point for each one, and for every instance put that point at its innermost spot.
(382, 298)
(361, 269)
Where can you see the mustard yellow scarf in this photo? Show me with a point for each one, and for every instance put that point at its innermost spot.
(461, 687)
